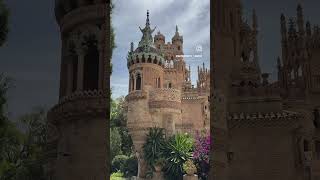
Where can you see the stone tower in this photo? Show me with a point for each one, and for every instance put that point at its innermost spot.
(225, 22)
(78, 123)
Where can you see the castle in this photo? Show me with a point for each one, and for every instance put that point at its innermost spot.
(160, 89)
(263, 130)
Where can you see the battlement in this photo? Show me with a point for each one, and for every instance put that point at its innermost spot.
(142, 57)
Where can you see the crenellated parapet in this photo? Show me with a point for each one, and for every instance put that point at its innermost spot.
(145, 57)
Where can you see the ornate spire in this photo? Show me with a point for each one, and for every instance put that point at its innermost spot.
(148, 21)
(146, 39)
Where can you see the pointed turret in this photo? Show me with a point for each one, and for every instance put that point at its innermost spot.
(283, 28)
(300, 21)
(308, 29)
(177, 37)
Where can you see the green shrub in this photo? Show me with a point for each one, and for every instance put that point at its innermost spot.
(117, 176)
(119, 163)
(154, 146)
(131, 167)
(178, 150)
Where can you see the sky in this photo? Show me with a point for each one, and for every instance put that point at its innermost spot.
(31, 56)
(192, 18)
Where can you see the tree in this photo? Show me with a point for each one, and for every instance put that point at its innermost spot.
(115, 143)
(21, 143)
(4, 15)
(118, 119)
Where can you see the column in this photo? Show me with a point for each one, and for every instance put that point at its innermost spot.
(80, 70)
(69, 76)
(101, 65)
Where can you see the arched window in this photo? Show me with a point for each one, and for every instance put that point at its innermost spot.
(159, 83)
(91, 65)
(169, 85)
(131, 84)
(231, 21)
(138, 82)
(305, 145)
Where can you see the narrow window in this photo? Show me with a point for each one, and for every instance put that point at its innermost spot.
(138, 83)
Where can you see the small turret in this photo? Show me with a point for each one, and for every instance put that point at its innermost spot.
(159, 39)
(177, 40)
(300, 21)
(308, 29)
(283, 28)
(292, 29)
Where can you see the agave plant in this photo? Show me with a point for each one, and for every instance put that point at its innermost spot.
(154, 145)
(177, 152)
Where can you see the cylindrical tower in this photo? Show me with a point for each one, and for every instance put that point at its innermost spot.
(77, 124)
(146, 71)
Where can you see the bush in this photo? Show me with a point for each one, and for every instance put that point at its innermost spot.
(117, 176)
(127, 165)
(154, 146)
(178, 151)
(131, 167)
(202, 153)
(119, 163)
(115, 143)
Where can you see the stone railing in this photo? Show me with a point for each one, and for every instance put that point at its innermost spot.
(255, 91)
(80, 104)
(165, 98)
(84, 94)
(166, 94)
(134, 95)
(271, 119)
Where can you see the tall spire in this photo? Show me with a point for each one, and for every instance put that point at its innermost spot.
(300, 21)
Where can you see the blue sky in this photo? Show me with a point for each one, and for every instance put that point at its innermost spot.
(192, 18)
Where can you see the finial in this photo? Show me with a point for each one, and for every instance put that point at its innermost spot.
(279, 62)
(177, 28)
(203, 66)
(132, 47)
(147, 21)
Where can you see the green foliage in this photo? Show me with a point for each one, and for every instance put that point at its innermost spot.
(115, 143)
(21, 149)
(154, 145)
(131, 167)
(4, 15)
(117, 176)
(178, 150)
(118, 163)
(118, 120)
